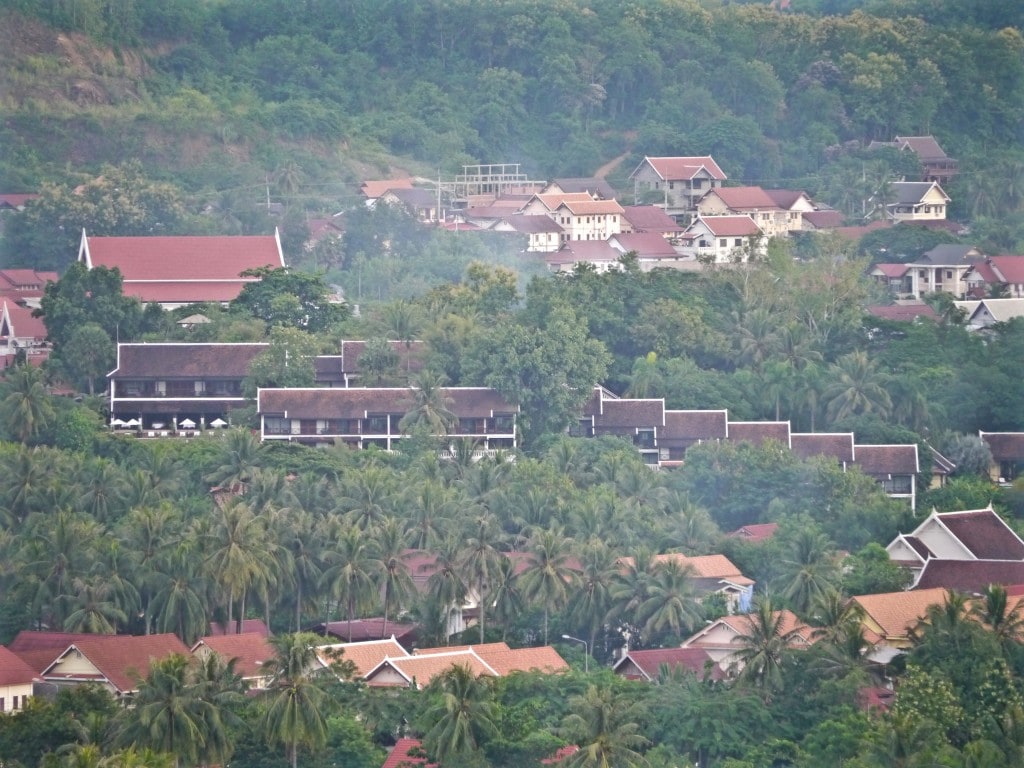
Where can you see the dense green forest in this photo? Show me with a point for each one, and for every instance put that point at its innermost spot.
(191, 117)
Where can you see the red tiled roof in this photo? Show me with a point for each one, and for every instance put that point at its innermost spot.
(368, 629)
(583, 250)
(249, 626)
(28, 279)
(743, 198)
(856, 233)
(399, 756)
(905, 313)
(755, 531)
(169, 260)
(824, 219)
(185, 360)
(1009, 268)
(649, 218)
(367, 654)
(757, 432)
(124, 659)
(649, 662)
(251, 651)
(838, 445)
(729, 226)
(886, 459)
(22, 324)
(29, 640)
(13, 670)
(891, 270)
(674, 168)
(15, 200)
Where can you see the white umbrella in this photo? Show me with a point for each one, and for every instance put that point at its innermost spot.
(218, 423)
(132, 423)
(187, 424)
(117, 423)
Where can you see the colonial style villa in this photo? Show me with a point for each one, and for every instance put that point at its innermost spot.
(176, 271)
(725, 239)
(365, 417)
(996, 276)
(917, 201)
(675, 184)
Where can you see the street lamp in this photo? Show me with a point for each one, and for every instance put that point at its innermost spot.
(586, 651)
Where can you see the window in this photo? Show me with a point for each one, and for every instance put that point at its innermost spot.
(704, 244)
(723, 243)
(898, 484)
(375, 425)
(738, 242)
(14, 702)
(2, 703)
(949, 274)
(274, 425)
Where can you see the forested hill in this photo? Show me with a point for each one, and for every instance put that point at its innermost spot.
(223, 98)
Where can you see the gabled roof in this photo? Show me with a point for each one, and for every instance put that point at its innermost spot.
(896, 613)
(535, 224)
(504, 660)
(951, 254)
(374, 189)
(838, 445)
(648, 663)
(120, 660)
(1000, 310)
(419, 670)
(827, 219)
(590, 185)
(251, 650)
(18, 322)
(368, 629)
(914, 192)
(594, 251)
(175, 361)
(715, 566)
(726, 226)
(591, 207)
(740, 624)
(890, 270)
(787, 198)
(926, 147)
(985, 534)
(649, 218)
(887, 459)
(167, 259)
(553, 200)
(757, 432)
(39, 649)
(13, 670)
(26, 280)
(675, 168)
(1009, 269)
(969, 575)
(400, 756)
(367, 654)
(1005, 446)
(414, 197)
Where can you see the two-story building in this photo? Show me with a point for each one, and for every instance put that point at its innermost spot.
(724, 240)
(675, 184)
(917, 201)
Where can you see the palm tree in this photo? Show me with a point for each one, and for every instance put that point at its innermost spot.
(368, 496)
(25, 408)
(178, 602)
(592, 600)
(606, 726)
(506, 594)
(171, 715)
(762, 647)
(25, 475)
(631, 588)
(238, 553)
(445, 585)
(394, 580)
(809, 569)
(480, 559)
(857, 388)
(463, 715)
(431, 408)
(238, 460)
(57, 552)
(350, 576)
(93, 610)
(430, 511)
(672, 604)
(550, 573)
(299, 535)
(997, 615)
(295, 714)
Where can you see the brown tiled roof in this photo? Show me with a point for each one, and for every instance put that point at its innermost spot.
(535, 224)
(1005, 446)
(696, 425)
(178, 361)
(541, 659)
(926, 147)
(480, 649)
(583, 250)
(919, 546)
(367, 654)
(248, 626)
(969, 575)
(742, 198)
(399, 756)
(420, 670)
(590, 185)
(124, 659)
(897, 612)
(552, 200)
(368, 629)
(357, 402)
(891, 269)
(984, 533)
(824, 219)
(649, 218)
(886, 459)
(592, 207)
(377, 187)
(757, 432)
(173, 259)
(251, 651)
(632, 413)
(838, 445)
(703, 566)
(13, 670)
(741, 624)
(857, 232)
(674, 168)
(904, 313)
(755, 532)
(649, 662)
(730, 226)
(785, 198)
(646, 244)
